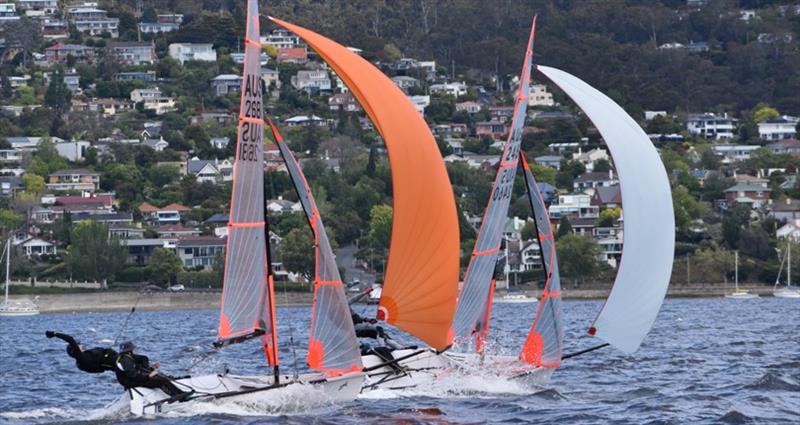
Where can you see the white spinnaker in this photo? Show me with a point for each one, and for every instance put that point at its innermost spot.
(649, 237)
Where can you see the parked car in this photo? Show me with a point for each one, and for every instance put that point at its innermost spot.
(176, 288)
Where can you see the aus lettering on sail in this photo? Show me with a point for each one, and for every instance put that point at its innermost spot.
(251, 133)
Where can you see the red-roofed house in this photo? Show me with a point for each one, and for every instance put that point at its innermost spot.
(293, 55)
(78, 204)
(171, 214)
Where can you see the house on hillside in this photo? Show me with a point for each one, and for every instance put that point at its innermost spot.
(59, 52)
(552, 161)
(133, 52)
(312, 81)
(171, 214)
(35, 246)
(734, 153)
(455, 89)
(754, 195)
(183, 52)
(607, 197)
(343, 102)
(298, 55)
(405, 82)
(224, 84)
(592, 180)
(168, 231)
(199, 251)
(576, 204)
(710, 126)
(210, 170)
(469, 106)
(783, 127)
(493, 129)
(588, 159)
(539, 96)
(282, 206)
(140, 250)
(786, 210)
(79, 179)
(788, 146)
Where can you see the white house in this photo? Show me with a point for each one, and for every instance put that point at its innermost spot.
(143, 95)
(33, 245)
(316, 80)
(420, 102)
(280, 39)
(579, 204)
(183, 52)
(539, 96)
(282, 206)
(734, 153)
(784, 127)
(789, 230)
(405, 82)
(588, 159)
(453, 89)
(711, 126)
(73, 151)
(213, 171)
(468, 106)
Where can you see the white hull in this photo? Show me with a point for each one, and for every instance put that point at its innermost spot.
(741, 296)
(307, 391)
(786, 293)
(428, 366)
(515, 300)
(18, 309)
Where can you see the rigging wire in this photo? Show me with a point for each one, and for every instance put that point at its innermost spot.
(125, 323)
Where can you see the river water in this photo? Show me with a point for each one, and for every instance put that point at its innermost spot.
(706, 361)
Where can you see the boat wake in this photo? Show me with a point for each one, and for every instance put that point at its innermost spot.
(117, 409)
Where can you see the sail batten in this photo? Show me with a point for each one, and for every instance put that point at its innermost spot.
(333, 346)
(421, 279)
(247, 300)
(649, 232)
(474, 294)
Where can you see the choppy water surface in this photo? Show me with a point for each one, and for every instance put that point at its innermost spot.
(710, 360)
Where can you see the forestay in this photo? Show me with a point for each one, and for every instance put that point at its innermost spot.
(475, 293)
(649, 234)
(421, 280)
(543, 347)
(333, 346)
(247, 308)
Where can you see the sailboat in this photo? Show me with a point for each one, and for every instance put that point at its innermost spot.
(642, 278)
(248, 301)
(739, 294)
(14, 308)
(788, 291)
(421, 280)
(542, 350)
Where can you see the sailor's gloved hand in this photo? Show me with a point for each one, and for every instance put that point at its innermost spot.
(49, 334)
(372, 321)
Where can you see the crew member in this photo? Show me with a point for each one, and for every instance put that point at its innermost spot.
(94, 360)
(134, 370)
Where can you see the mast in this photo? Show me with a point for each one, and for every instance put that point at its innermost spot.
(736, 270)
(8, 267)
(789, 263)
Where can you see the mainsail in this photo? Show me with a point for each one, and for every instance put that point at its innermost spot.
(649, 237)
(421, 280)
(247, 298)
(543, 347)
(475, 293)
(333, 346)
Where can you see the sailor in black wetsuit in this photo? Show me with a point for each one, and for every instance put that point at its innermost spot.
(94, 360)
(366, 328)
(134, 370)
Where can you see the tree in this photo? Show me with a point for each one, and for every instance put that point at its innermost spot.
(33, 183)
(164, 266)
(543, 174)
(763, 112)
(602, 166)
(686, 208)
(577, 257)
(296, 251)
(9, 220)
(93, 254)
(608, 217)
(46, 160)
(7, 92)
(58, 95)
(737, 218)
(380, 226)
(564, 227)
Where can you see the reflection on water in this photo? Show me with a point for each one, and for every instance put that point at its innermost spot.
(710, 360)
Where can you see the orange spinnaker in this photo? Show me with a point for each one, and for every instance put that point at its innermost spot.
(421, 280)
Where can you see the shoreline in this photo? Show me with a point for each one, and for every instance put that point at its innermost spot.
(161, 301)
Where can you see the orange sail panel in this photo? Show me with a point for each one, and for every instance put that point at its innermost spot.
(421, 281)
(543, 345)
(480, 271)
(333, 347)
(247, 309)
